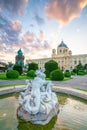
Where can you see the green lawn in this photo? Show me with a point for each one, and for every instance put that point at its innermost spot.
(82, 89)
(10, 85)
(67, 78)
(3, 77)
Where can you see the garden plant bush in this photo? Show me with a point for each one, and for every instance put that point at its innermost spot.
(81, 72)
(67, 73)
(50, 66)
(18, 68)
(32, 66)
(57, 75)
(12, 74)
(31, 73)
(72, 73)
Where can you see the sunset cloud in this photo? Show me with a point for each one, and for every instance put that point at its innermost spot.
(28, 36)
(64, 10)
(16, 25)
(41, 35)
(9, 30)
(17, 7)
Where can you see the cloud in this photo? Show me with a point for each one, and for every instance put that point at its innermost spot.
(41, 35)
(17, 7)
(39, 20)
(64, 10)
(0, 10)
(78, 30)
(9, 30)
(16, 26)
(28, 36)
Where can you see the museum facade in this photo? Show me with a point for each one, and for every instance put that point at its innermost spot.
(63, 56)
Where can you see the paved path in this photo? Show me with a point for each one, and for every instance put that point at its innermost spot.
(76, 82)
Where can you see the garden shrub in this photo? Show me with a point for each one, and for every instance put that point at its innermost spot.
(75, 70)
(18, 68)
(81, 72)
(50, 66)
(67, 73)
(31, 73)
(57, 75)
(72, 73)
(12, 74)
(47, 73)
(32, 66)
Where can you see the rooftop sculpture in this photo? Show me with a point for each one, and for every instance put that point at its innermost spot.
(38, 104)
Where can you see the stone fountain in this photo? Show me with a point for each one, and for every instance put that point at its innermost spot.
(38, 104)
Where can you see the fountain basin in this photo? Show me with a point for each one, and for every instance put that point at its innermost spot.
(72, 114)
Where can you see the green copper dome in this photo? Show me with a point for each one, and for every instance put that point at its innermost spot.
(62, 44)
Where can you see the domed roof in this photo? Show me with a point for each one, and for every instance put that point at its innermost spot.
(62, 44)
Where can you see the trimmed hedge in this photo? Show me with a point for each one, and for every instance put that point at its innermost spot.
(50, 66)
(72, 73)
(81, 72)
(67, 74)
(12, 74)
(31, 73)
(57, 75)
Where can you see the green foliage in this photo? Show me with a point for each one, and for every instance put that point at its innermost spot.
(85, 68)
(3, 76)
(47, 73)
(32, 66)
(81, 72)
(75, 70)
(18, 68)
(57, 75)
(31, 73)
(67, 73)
(80, 66)
(12, 74)
(72, 73)
(50, 66)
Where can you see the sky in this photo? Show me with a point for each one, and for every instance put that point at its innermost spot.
(38, 26)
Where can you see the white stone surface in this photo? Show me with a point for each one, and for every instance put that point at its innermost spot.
(38, 103)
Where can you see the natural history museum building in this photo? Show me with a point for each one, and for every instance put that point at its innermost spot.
(63, 56)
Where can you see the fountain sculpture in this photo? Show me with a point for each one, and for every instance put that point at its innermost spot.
(38, 104)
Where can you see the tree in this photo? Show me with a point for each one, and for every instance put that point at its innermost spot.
(50, 66)
(18, 68)
(79, 67)
(32, 66)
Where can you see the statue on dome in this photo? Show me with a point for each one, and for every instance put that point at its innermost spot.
(19, 59)
(38, 104)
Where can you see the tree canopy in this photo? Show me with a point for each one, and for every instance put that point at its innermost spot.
(32, 66)
(50, 66)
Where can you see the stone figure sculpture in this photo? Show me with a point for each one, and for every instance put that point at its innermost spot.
(38, 103)
(19, 59)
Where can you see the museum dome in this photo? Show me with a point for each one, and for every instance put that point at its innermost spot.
(62, 44)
